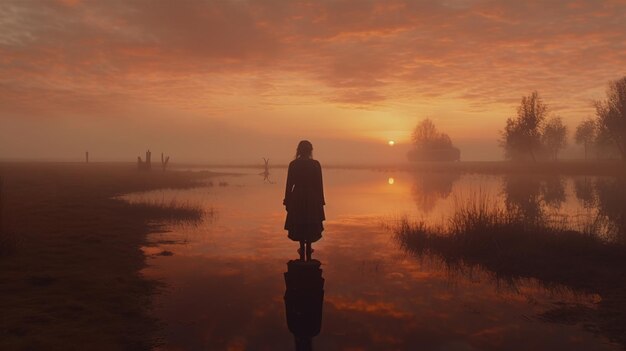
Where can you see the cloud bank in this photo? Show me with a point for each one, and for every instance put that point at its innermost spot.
(284, 67)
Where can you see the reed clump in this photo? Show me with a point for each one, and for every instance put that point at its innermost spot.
(172, 210)
(483, 232)
(512, 246)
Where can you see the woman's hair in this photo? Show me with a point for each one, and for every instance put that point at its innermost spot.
(304, 150)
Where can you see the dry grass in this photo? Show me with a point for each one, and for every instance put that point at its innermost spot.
(482, 234)
(170, 211)
(481, 227)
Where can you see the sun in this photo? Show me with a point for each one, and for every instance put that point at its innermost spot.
(391, 143)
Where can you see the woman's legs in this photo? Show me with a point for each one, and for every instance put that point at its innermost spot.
(301, 250)
(309, 251)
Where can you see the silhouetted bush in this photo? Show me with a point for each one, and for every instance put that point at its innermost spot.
(482, 230)
(501, 241)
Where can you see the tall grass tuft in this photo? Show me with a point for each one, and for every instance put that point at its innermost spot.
(482, 231)
(481, 234)
(171, 210)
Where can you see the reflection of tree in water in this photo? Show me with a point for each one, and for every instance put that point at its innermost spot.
(429, 187)
(611, 195)
(531, 195)
(266, 171)
(583, 188)
(553, 191)
(523, 195)
(527, 194)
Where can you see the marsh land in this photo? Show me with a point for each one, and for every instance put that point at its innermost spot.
(70, 279)
(106, 256)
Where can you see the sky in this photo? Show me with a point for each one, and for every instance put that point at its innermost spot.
(234, 81)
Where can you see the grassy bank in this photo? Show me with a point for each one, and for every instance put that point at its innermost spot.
(72, 281)
(481, 234)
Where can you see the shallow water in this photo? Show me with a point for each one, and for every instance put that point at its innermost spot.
(225, 285)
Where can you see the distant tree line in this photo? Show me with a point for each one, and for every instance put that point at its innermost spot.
(533, 134)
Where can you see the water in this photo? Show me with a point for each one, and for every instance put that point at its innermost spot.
(225, 286)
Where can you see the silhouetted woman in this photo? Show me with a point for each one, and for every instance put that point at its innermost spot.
(304, 199)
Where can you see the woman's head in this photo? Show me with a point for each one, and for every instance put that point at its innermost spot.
(304, 150)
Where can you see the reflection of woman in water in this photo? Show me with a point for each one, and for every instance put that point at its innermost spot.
(304, 199)
(304, 298)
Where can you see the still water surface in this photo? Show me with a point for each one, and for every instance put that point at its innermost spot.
(225, 281)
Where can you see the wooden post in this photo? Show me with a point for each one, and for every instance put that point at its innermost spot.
(164, 161)
(148, 160)
(267, 165)
(86, 156)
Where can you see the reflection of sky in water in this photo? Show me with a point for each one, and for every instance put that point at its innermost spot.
(225, 280)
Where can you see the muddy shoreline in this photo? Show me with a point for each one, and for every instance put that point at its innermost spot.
(72, 281)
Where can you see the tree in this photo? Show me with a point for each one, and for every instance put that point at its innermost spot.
(522, 134)
(554, 136)
(426, 136)
(612, 114)
(604, 144)
(586, 134)
(585, 192)
(431, 145)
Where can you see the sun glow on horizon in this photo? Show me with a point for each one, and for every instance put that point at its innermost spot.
(257, 75)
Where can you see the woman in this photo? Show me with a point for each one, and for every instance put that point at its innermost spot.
(304, 199)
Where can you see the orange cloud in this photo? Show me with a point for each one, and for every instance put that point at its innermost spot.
(466, 61)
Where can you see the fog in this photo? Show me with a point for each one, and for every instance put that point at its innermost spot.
(207, 142)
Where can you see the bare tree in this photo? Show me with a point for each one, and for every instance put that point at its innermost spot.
(554, 136)
(612, 114)
(586, 134)
(522, 134)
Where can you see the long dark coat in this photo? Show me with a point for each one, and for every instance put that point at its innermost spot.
(304, 199)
